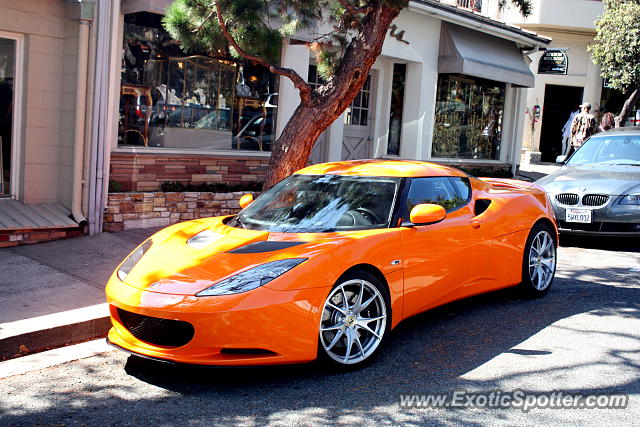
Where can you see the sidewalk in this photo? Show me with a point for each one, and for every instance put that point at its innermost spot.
(535, 171)
(52, 293)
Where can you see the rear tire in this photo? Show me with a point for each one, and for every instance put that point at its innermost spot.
(355, 320)
(539, 261)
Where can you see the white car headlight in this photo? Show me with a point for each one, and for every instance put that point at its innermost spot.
(131, 261)
(252, 278)
(631, 199)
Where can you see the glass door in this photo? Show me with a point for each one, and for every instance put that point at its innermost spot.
(7, 90)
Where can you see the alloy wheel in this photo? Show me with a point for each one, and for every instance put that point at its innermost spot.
(354, 320)
(542, 260)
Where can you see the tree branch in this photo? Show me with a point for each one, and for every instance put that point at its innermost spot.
(354, 10)
(298, 82)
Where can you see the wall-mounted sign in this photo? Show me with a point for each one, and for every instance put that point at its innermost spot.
(553, 61)
(398, 35)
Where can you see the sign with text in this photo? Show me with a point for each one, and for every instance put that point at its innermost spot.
(553, 61)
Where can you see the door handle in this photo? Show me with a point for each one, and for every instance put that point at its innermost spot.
(475, 223)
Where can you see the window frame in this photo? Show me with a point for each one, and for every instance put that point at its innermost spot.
(403, 208)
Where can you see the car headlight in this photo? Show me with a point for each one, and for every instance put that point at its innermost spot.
(252, 278)
(133, 258)
(631, 199)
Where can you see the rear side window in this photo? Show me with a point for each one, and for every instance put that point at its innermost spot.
(449, 192)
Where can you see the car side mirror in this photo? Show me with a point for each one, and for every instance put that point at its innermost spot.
(561, 159)
(245, 200)
(426, 213)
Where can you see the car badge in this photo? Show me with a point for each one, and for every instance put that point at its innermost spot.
(582, 188)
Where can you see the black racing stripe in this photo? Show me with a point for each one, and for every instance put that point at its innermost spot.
(258, 247)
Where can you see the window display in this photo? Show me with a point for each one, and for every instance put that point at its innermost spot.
(170, 99)
(468, 118)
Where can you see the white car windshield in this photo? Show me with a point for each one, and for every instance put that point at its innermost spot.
(322, 203)
(608, 150)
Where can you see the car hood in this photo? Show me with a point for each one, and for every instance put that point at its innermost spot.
(179, 264)
(597, 179)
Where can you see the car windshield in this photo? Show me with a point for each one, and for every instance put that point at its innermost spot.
(322, 203)
(609, 150)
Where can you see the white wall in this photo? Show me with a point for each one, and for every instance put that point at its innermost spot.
(421, 56)
(553, 13)
(582, 72)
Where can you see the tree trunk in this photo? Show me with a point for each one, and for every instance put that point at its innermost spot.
(291, 151)
(626, 108)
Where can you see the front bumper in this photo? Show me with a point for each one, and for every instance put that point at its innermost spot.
(611, 219)
(258, 327)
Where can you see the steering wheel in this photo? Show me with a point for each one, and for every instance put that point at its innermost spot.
(368, 214)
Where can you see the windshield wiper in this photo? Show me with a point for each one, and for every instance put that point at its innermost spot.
(237, 218)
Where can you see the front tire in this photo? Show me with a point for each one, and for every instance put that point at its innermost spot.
(539, 261)
(356, 317)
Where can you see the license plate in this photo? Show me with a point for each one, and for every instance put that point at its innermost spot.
(578, 215)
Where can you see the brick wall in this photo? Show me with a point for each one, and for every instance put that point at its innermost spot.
(147, 172)
(157, 209)
(25, 237)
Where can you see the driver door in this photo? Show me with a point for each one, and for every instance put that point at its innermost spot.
(440, 258)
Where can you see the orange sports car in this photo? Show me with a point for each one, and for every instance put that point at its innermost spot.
(327, 262)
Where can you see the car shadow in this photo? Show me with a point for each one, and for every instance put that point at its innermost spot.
(610, 243)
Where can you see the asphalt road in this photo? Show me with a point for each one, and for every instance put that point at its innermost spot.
(583, 337)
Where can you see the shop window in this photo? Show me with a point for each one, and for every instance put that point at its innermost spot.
(172, 99)
(468, 118)
(395, 112)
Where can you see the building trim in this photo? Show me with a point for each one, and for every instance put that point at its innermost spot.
(17, 145)
(478, 22)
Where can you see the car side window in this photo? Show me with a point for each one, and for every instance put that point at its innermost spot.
(449, 192)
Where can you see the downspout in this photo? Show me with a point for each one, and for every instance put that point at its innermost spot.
(83, 12)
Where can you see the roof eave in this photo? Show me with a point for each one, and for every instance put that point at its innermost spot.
(527, 39)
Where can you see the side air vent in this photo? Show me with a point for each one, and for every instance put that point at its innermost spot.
(481, 206)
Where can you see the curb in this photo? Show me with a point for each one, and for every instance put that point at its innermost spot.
(29, 336)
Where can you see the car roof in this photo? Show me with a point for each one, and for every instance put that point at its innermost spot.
(394, 168)
(628, 130)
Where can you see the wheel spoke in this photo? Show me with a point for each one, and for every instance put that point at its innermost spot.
(540, 277)
(368, 329)
(335, 307)
(356, 306)
(366, 320)
(357, 340)
(548, 263)
(349, 345)
(332, 328)
(366, 303)
(335, 339)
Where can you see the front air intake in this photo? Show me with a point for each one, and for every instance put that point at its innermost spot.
(155, 330)
(595, 199)
(568, 199)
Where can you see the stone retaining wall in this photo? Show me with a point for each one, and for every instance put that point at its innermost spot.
(157, 209)
(147, 172)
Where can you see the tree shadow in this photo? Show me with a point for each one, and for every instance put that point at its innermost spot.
(434, 351)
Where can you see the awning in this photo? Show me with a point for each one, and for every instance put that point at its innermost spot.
(154, 6)
(466, 51)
